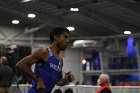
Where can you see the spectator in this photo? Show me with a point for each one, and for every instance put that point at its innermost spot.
(103, 81)
(6, 74)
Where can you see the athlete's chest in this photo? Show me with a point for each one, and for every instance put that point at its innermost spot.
(54, 65)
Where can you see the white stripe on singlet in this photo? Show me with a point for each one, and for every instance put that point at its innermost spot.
(50, 52)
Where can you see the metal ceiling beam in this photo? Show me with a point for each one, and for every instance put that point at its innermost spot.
(136, 35)
(94, 16)
(11, 38)
(55, 20)
(133, 7)
(101, 19)
(3, 34)
(14, 13)
(64, 22)
(20, 12)
(65, 4)
(104, 20)
(111, 22)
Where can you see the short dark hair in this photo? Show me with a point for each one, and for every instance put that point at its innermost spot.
(57, 31)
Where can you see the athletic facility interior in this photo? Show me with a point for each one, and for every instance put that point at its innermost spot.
(104, 38)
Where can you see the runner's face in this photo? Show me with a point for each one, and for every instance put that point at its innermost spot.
(63, 41)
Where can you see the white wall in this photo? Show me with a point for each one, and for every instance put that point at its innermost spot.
(72, 61)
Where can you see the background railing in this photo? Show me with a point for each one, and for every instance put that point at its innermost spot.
(80, 89)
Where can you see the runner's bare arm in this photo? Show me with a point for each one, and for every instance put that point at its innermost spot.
(24, 64)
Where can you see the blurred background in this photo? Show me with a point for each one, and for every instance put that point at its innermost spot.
(105, 36)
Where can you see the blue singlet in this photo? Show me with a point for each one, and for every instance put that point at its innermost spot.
(49, 72)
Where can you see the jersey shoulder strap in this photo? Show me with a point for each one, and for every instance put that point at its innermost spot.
(49, 51)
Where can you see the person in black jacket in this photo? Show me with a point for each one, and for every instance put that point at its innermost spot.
(6, 74)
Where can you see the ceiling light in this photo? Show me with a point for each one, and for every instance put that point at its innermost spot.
(15, 21)
(127, 32)
(84, 61)
(31, 15)
(74, 9)
(71, 28)
(24, 1)
(84, 43)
